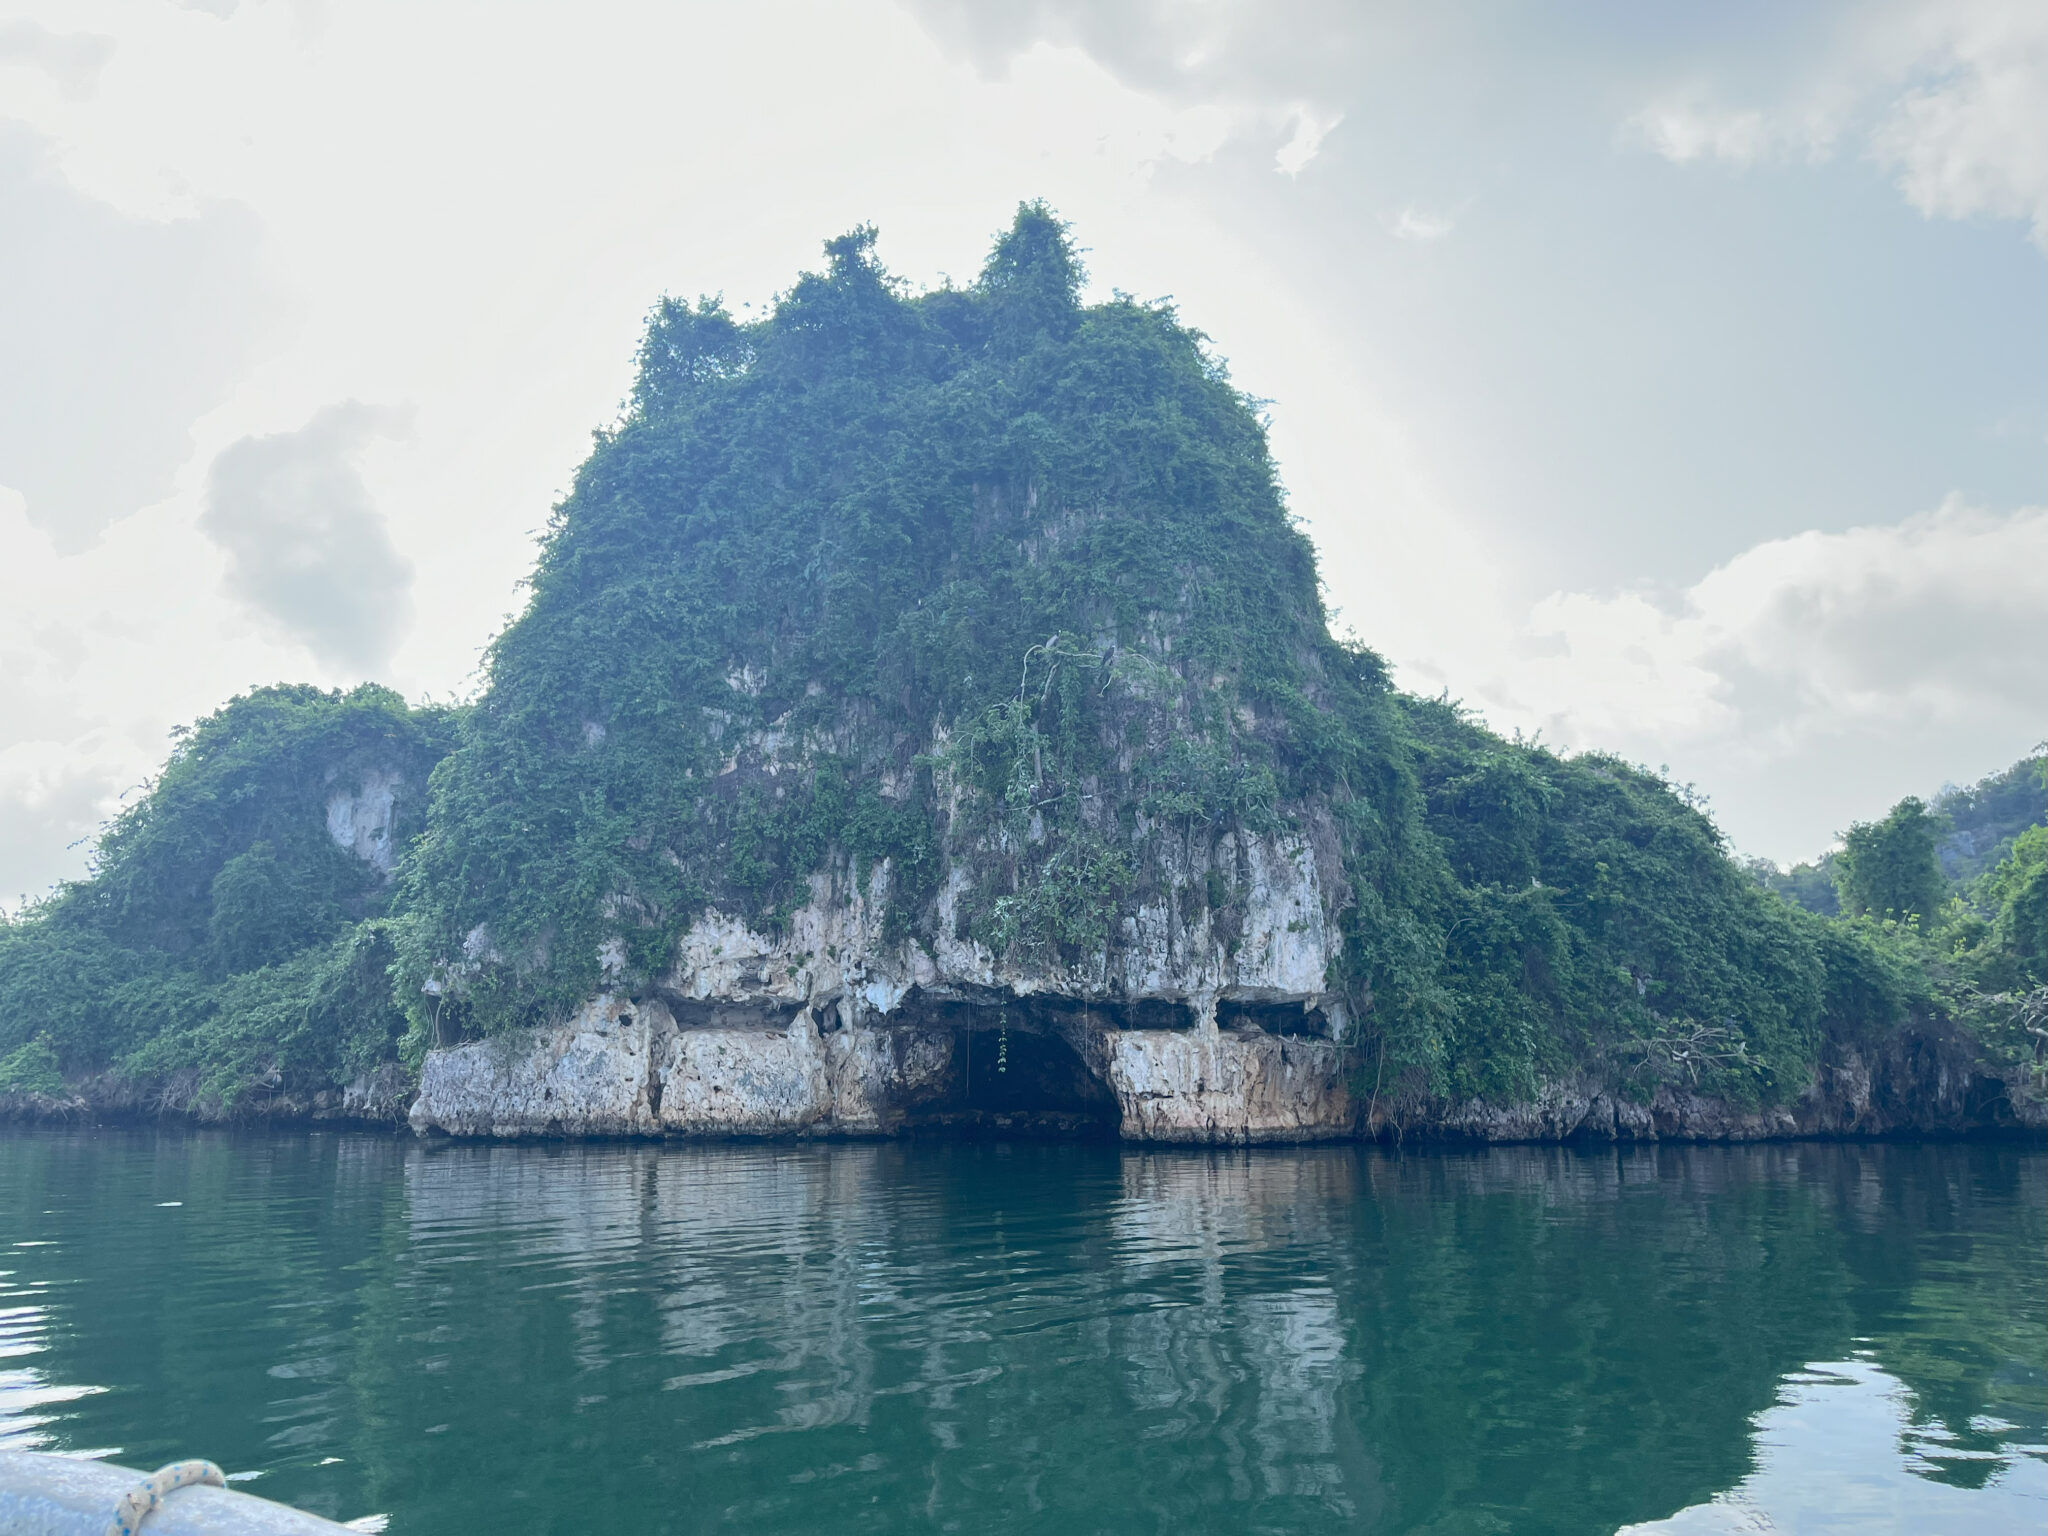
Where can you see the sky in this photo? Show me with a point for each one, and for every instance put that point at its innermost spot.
(1668, 380)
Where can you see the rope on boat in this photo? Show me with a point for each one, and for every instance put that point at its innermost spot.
(146, 1495)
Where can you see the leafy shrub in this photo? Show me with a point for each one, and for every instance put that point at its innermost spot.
(1889, 868)
(32, 1068)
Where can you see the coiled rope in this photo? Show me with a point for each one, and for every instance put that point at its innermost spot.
(138, 1501)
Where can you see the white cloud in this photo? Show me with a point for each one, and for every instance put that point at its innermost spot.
(1974, 139)
(1311, 127)
(1685, 131)
(307, 549)
(1951, 96)
(1803, 636)
(51, 804)
(72, 59)
(1935, 618)
(1420, 226)
(1242, 59)
(1917, 641)
(102, 651)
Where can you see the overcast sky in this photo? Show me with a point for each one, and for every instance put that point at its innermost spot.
(1670, 379)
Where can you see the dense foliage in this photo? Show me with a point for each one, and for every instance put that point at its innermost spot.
(1975, 829)
(1948, 906)
(1889, 869)
(1984, 820)
(1594, 917)
(222, 933)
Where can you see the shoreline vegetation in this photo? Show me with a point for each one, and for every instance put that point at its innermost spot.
(978, 614)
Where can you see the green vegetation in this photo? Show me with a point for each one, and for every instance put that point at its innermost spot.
(222, 935)
(32, 1067)
(1593, 917)
(1984, 820)
(1949, 905)
(884, 585)
(1888, 868)
(1810, 885)
(1972, 832)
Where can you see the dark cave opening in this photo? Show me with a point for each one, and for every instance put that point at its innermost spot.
(1014, 1072)
(1272, 1018)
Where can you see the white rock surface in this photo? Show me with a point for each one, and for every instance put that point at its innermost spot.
(874, 1072)
(1287, 945)
(745, 1082)
(1229, 1086)
(586, 1077)
(605, 1074)
(832, 946)
(364, 821)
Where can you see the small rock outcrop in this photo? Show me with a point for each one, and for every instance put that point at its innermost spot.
(363, 819)
(587, 1076)
(1240, 1087)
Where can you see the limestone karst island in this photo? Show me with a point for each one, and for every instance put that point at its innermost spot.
(925, 718)
(931, 980)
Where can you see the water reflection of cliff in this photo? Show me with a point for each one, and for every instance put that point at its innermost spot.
(1030, 1337)
(1541, 1338)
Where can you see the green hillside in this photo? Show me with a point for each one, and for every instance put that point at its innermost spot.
(222, 937)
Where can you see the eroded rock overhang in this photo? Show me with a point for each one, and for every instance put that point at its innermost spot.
(1037, 1063)
(1173, 1033)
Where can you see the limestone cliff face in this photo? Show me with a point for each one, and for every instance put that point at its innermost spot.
(1208, 1086)
(1174, 1033)
(625, 1070)
(1196, 1027)
(615, 1071)
(1197, 1024)
(829, 1031)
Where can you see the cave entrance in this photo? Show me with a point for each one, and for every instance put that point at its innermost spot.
(1012, 1077)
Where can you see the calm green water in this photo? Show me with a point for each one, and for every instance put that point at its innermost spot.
(1017, 1337)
